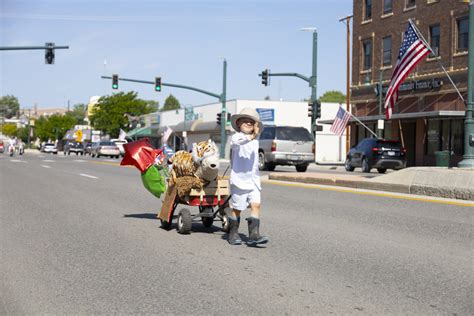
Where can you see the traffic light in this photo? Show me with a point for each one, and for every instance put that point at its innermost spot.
(49, 53)
(317, 110)
(158, 84)
(310, 109)
(114, 81)
(264, 75)
(227, 122)
(218, 118)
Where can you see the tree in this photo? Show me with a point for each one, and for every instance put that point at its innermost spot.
(9, 130)
(333, 97)
(54, 126)
(9, 106)
(109, 113)
(153, 105)
(78, 113)
(171, 103)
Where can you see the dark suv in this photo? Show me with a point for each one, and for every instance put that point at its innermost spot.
(285, 145)
(73, 147)
(376, 153)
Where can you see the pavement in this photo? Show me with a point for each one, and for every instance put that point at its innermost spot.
(451, 183)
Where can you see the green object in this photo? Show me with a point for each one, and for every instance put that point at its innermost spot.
(154, 181)
(442, 158)
(468, 157)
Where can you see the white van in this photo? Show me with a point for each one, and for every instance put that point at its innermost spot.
(120, 143)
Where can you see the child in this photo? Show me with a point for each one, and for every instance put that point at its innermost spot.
(245, 177)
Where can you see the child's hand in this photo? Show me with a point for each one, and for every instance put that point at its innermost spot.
(256, 128)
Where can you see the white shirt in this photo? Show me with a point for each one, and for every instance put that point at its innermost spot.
(244, 174)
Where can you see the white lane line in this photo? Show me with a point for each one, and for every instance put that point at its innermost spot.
(14, 160)
(79, 160)
(88, 176)
(45, 166)
(48, 160)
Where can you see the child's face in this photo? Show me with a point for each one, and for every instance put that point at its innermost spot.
(246, 125)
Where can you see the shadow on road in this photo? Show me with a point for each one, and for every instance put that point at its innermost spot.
(142, 215)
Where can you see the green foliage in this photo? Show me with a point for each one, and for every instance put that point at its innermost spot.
(22, 133)
(9, 130)
(171, 103)
(48, 128)
(78, 113)
(9, 106)
(152, 105)
(109, 113)
(333, 97)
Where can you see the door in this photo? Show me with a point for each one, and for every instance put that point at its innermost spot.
(409, 141)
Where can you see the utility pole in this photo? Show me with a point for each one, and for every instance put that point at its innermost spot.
(347, 21)
(468, 157)
(223, 110)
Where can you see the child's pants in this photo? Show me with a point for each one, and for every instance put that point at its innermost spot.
(242, 198)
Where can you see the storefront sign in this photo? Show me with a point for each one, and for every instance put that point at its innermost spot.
(267, 115)
(415, 86)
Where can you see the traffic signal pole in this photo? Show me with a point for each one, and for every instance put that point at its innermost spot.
(221, 97)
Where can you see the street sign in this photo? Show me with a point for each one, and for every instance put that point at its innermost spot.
(78, 135)
(189, 114)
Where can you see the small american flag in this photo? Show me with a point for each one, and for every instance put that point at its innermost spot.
(340, 122)
(166, 135)
(412, 51)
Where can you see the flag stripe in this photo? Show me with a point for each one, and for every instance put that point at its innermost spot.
(412, 51)
(340, 122)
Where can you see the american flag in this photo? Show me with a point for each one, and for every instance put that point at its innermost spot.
(412, 51)
(340, 122)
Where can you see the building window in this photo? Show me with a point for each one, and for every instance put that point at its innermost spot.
(410, 3)
(367, 47)
(463, 34)
(434, 39)
(432, 137)
(387, 51)
(387, 6)
(367, 9)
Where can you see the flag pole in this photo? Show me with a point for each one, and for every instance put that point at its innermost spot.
(439, 62)
(364, 125)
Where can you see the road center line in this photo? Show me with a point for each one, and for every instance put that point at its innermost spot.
(48, 160)
(14, 160)
(88, 176)
(45, 166)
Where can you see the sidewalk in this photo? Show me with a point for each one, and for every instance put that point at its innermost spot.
(451, 183)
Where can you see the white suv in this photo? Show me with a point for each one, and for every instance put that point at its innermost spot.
(120, 143)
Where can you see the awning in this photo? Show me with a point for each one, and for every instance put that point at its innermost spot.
(431, 114)
(188, 126)
(138, 132)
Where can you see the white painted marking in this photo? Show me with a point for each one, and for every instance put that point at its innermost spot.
(45, 166)
(79, 160)
(48, 160)
(14, 160)
(88, 176)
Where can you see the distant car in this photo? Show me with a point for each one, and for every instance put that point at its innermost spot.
(2, 146)
(105, 148)
(120, 143)
(285, 145)
(50, 148)
(87, 148)
(73, 147)
(376, 153)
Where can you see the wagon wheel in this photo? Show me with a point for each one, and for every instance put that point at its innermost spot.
(184, 221)
(207, 221)
(225, 220)
(165, 224)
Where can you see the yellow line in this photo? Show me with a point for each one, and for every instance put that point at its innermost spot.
(355, 191)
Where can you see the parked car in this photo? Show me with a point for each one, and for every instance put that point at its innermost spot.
(285, 145)
(376, 153)
(87, 148)
(120, 143)
(2, 146)
(50, 148)
(105, 148)
(73, 147)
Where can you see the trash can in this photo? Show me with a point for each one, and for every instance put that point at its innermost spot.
(442, 158)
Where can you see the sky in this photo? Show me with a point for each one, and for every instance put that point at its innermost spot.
(182, 41)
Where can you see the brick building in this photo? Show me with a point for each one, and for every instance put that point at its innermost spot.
(429, 115)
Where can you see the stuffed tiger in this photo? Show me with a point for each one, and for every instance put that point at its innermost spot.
(202, 163)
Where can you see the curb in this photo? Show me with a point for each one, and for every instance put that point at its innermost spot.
(451, 193)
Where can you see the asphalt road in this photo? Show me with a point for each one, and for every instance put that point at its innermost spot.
(79, 235)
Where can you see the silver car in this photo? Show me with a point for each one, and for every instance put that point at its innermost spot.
(105, 148)
(285, 145)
